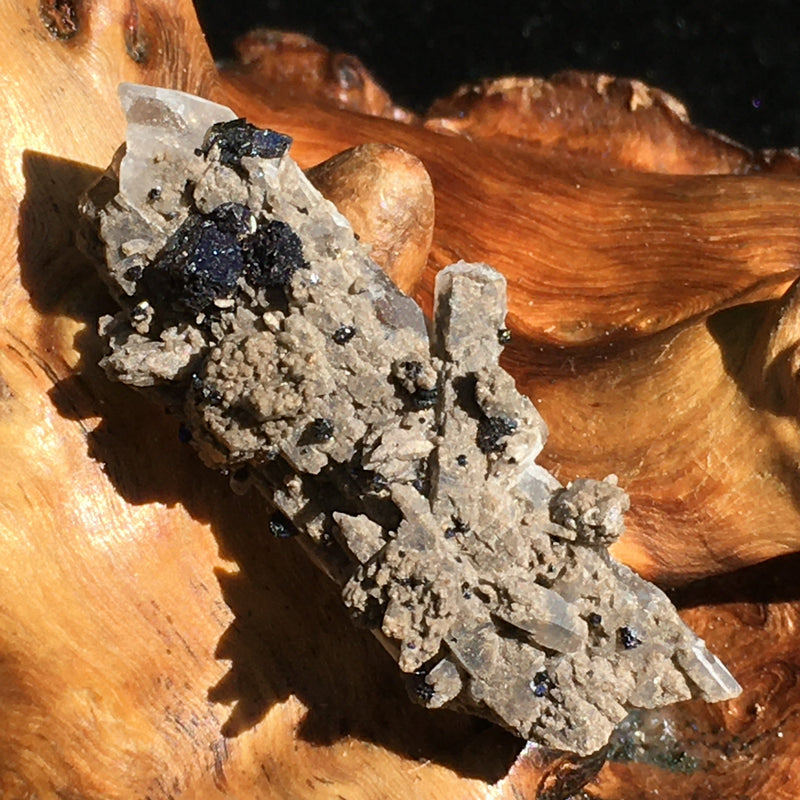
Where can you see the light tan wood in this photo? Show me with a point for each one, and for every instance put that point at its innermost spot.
(155, 643)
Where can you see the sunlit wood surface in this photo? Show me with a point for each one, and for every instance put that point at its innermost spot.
(156, 643)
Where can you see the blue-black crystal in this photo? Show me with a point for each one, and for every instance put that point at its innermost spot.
(628, 638)
(205, 257)
(200, 263)
(491, 430)
(273, 254)
(238, 139)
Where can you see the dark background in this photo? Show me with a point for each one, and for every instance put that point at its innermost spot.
(736, 65)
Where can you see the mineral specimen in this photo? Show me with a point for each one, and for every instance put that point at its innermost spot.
(405, 464)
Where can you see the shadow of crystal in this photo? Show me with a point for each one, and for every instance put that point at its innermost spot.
(290, 634)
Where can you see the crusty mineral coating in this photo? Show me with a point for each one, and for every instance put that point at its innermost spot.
(406, 465)
(593, 509)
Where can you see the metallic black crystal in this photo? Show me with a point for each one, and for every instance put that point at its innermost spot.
(273, 254)
(491, 430)
(280, 527)
(628, 638)
(201, 262)
(343, 334)
(238, 139)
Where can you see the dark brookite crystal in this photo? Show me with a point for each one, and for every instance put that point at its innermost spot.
(207, 255)
(405, 465)
(492, 430)
(280, 527)
(343, 334)
(237, 139)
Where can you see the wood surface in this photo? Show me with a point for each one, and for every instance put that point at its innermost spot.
(156, 643)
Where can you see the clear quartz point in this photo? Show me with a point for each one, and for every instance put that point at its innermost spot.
(406, 466)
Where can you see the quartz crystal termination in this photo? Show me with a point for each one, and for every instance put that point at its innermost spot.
(405, 464)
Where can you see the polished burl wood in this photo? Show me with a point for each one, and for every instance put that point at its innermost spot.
(154, 642)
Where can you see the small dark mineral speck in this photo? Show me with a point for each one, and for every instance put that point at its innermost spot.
(541, 683)
(133, 273)
(595, 620)
(491, 430)
(628, 638)
(421, 478)
(184, 434)
(344, 334)
(503, 335)
(203, 392)
(238, 139)
(458, 526)
(280, 527)
(211, 395)
(321, 430)
(461, 460)
(412, 369)
(420, 396)
(420, 687)
(370, 481)
(424, 398)
(327, 539)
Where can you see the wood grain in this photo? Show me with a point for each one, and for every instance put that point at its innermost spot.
(295, 67)
(155, 643)
(624, 247)
(744, 748)
(614, 122)
(387, 196)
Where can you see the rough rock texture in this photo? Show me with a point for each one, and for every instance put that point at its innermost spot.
(405, 464)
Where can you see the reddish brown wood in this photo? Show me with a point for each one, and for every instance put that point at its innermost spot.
(387, 196)
(615, 122)
(290, 65)
(154, 643)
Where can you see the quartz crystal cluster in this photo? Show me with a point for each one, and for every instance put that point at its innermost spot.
(405, 462)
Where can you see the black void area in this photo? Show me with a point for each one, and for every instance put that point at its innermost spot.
(735, 65)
